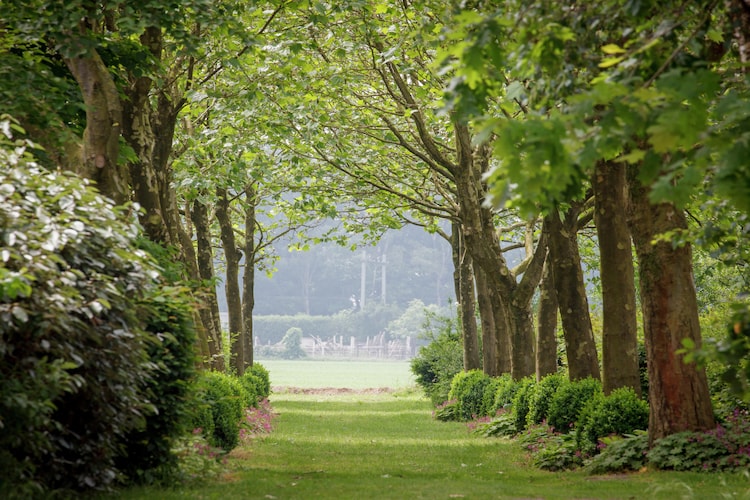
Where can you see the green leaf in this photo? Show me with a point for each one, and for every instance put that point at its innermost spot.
(613, 49)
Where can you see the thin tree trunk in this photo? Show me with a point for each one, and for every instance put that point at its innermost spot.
(546, 337)
(248, 283)
(565, 263)
(463, 280)
(678, 391)
(620, 327)
(209, 312)
(231, 285)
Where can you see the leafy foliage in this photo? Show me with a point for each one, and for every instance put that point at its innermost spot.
(437, 363)
(568, 402)
(505, 392)
(522, 401)
(540, 399)
(223, 398)
(620, 453)
(76, 378)
(467, 388)
(148, 455)
(621, 412)
(725, 448)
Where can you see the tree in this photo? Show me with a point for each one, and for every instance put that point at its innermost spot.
(646, 105)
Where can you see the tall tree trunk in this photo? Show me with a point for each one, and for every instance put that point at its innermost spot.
(248, 282)
(209, 312)
(139, 132)
(546, 337)
(463, 280)
(101, 137)
(678, 391)
(231, 285)
(565, 263)
(620, 326)
(490, 344)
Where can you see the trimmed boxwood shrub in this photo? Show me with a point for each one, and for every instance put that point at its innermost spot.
(260, 371)
(540, 399)
(488, 398)
(506, 390)
(621, 412)
(252, 385)
(467, 389)
(521, 401)
(225, 396)
(568, 402)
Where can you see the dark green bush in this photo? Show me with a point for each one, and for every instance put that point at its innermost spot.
(568, 402)
(505, 392)
(488, 398)
(621, 412)
(253, 386)
(75, 373)
(467, 388)
(437, 363)
(540, 399)
(522, 400)
(261, 372)
(225, 397)
(148, 453)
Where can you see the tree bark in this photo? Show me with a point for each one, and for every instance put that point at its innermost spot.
(620, 326)
(103, 125)
(231, 285)
(463, 281)
(678, 391)
(248, 282)
(209, 311)
(491, 362)
(565, 263)
(546, 337)
(139, 132)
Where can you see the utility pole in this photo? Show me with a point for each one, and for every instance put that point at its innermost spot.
(363, 281)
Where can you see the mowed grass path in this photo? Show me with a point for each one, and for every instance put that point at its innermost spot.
(387, 446)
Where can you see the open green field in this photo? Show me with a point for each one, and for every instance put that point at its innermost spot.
(338, 374)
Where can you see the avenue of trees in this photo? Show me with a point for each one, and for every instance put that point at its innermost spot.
(232, 126)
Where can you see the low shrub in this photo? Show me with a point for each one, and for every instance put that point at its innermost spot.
(261, 372)
(447, 411)
(568, 402)
(521, 401)
(620, 454)
(726, 448)
(252, 386)
(488, 398)
(621, 412)
(437, 363)
(506, 390)
(467, 388)
(148, 454)
(502, 425)
(540, 399)
(225, 397)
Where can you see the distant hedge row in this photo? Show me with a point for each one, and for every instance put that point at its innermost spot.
(359, 324)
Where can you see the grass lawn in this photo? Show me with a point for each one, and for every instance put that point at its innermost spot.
(387, 446)
(342, 374)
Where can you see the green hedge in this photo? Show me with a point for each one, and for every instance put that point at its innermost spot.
(568, 402)
(467, 389)
(226, 399)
